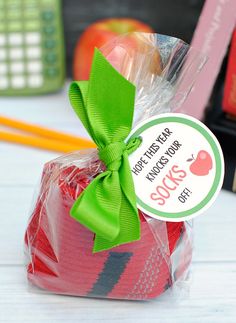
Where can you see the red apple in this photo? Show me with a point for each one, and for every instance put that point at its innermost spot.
(96, 35)
(202, 164)
(133, 52)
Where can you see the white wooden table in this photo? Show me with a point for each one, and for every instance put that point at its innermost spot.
(212, 296)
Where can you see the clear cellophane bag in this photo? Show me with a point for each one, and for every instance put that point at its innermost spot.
(58, 248)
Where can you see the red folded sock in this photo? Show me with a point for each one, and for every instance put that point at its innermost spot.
(60, 248)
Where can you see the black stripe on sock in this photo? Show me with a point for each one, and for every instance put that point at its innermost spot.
(110, 275)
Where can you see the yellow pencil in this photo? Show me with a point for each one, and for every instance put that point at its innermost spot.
(42, 132)
(38, 142)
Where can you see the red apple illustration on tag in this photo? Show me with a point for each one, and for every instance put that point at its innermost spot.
(202, 164)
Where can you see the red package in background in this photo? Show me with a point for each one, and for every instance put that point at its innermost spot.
(229, 98)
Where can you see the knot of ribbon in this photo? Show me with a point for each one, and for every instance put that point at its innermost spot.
(112, 154)
(105, 105)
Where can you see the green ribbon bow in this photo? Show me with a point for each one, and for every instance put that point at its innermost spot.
(105, 105)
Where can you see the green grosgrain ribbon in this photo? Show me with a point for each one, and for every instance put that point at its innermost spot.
(105, 105)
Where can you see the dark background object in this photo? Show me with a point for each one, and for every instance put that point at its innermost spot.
(172, 17)
(224, 128)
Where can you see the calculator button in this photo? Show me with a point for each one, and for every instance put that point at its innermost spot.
(18, 82)
(49, 44)
(3, 68)
(31, 4)
(4, 83)
(15, 26)
(49, 30)
(33, 52)
(2, 14)
(16, 53)
(47, 2)
(3, 54)
(17, 67)
(33, 38)
(32, 25)
(35, 81)
(14, 14)
(51, 72)
(50, 58)
(15, 39)
(13, 5)
(2, 27)
(2, 40)
(34, 67)
(48, 15)
(31, 13)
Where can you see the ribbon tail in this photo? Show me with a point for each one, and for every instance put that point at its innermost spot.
(129, 218)
(127, 184)
(130, 221)
(97, 208)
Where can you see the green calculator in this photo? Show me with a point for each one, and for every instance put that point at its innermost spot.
(31, 47)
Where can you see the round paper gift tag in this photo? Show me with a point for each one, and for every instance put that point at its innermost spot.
(178, 169)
